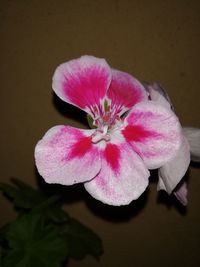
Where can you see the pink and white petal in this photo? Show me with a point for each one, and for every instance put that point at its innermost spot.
(173, 171)
(158, 94)
(125, 91)
(66, 155)
(181, 193)
(82, 82)
(123, 176)
(193, 137)
(154, 132)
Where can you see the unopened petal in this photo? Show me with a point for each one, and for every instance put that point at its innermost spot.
(154, 132)
(123, 176)
(66, 155)
(171, 173)
(82, 82)
(158, 94)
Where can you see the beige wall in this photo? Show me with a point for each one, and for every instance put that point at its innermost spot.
(153, 40)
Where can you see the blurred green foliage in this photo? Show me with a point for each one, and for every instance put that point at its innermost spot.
(43, 234)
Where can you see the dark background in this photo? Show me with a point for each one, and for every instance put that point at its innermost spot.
(153, 40)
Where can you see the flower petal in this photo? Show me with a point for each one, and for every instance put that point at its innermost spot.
(67, 156)
(173, 171)
(125, 91)
(123, 176)
(181, 193)
(158, 94)
(193, 136)
(154, 132)
(82, 82)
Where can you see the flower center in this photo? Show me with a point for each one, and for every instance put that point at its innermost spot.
(103, 132)
(106, 120)
(100, 135)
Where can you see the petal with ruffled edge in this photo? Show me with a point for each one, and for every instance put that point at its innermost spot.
(123, 176)
(125, 91)
(173, 171)
(82, 82)
(154, 132)
(67, 156)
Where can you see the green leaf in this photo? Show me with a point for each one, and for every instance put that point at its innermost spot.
(34, 244)
(46, 204)
(81, 240)
(21, 184)
(3, 231)
(56, 215)
(47, 235)
(9, 190)
(3, 242)
(51, 210)
(24, 196)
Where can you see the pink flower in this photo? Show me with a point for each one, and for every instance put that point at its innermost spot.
(132, 135)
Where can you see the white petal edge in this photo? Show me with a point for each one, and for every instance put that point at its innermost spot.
(171, 173)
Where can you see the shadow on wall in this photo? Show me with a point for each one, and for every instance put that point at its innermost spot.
(115, 214)
(77, 192)
(70, 111)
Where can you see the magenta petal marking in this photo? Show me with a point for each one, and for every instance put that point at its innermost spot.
(66, 155)
(138, 133)
(80, 148)
(112, 156)
(121, 187)
(82, 82)
(154, 132)
(125, 91)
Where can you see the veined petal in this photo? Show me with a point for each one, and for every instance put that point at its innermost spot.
(82, 82)
(173, 171)
(67, 156)
(193, 136)
(123, 176)
(154, 132)
(125, 91)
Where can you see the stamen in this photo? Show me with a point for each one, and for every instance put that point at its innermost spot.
(100, 135)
